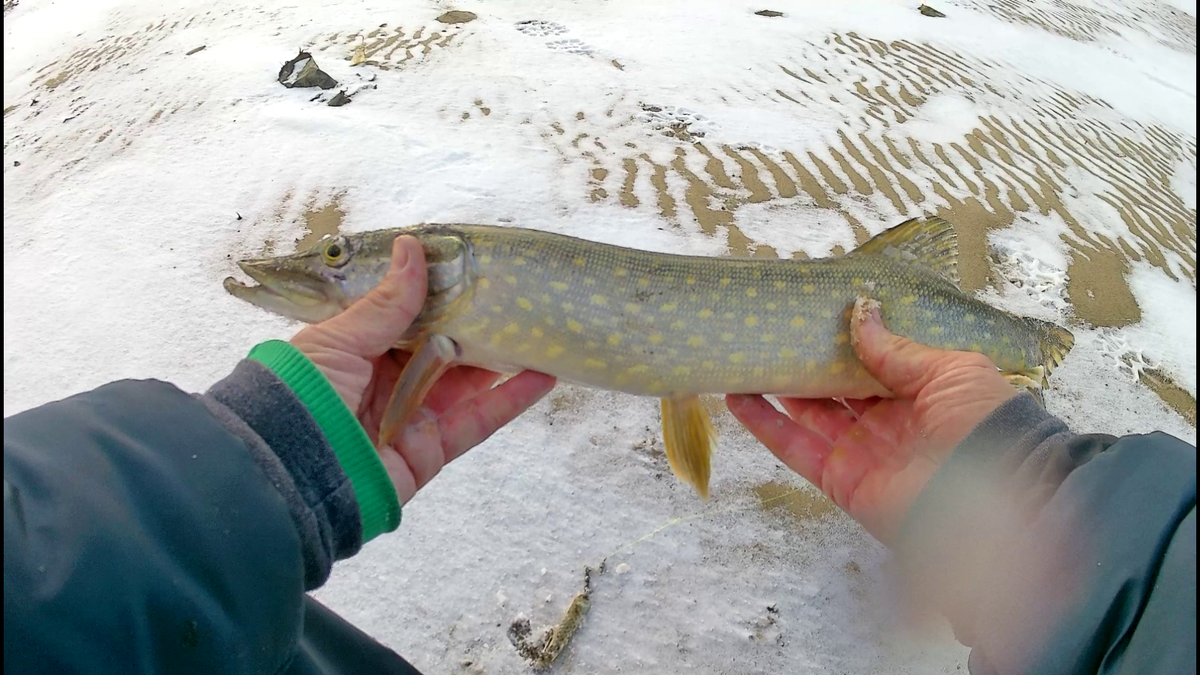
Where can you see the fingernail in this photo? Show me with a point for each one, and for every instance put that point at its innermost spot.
(400, 254)
(865, 317)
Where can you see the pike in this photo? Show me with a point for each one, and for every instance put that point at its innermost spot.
(655, 324)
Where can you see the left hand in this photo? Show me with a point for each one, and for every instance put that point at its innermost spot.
(354, 352)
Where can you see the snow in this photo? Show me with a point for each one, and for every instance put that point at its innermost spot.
(122, 218)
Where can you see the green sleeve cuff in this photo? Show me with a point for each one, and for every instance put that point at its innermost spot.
(378, 506)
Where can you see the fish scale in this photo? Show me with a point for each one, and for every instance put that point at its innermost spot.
(655, 324)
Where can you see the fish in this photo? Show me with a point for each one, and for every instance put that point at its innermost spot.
(653, 324)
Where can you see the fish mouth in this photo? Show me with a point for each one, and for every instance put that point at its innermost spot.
(293, 293)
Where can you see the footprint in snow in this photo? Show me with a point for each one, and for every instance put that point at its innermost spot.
(538, 28)
(571, 46)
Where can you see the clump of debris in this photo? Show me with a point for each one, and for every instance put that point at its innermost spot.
(303, 72)
(542, 652)
(675, 122)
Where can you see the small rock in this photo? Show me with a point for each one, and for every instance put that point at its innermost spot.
(929, 11)
(623, 568)
(457, 16)
(768, 13)
(16, 163)
(340, 99)
(302, 71)
(197, 49)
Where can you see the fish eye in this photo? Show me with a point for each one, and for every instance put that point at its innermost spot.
(335, 253)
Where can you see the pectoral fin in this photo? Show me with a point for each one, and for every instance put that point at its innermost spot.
(690, 439)
(1031, 381)
(428, 362)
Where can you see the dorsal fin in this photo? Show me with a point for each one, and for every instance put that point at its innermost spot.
(928, 242)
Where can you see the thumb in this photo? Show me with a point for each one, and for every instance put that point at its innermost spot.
(373, 324)
(898, 363)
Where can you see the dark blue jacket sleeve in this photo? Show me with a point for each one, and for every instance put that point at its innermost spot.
(1059, 553)
(149, 530)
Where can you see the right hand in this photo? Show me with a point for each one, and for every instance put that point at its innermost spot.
(874, 461)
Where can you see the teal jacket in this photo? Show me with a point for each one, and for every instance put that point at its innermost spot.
(147, 530)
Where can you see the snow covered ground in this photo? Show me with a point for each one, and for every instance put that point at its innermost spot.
(1060, 139)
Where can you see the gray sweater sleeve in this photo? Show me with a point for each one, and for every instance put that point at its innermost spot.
(288, 446)
(1053, 552)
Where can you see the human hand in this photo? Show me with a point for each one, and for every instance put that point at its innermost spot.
(354, 352)
(874, 457)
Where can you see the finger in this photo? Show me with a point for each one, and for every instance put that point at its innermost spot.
(901, 365)
(803, 451)
(457, 385)
(470, 422)
(828, 418)
(374, 324)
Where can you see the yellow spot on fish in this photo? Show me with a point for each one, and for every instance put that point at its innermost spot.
(621, 272)
(510, 279)
(497, 309)
(594, 363)
(632, 308)
(826, 314)
(857, 281)
(935, 330)
(484, 283)
(772, 306)
(780, 284)
(737, 357)
(841, 338)
(549, 320)
(808, 288)
(811, 364)
(969, 317)
(727, 337)
(568, 306)
(546, 298)
(614, 339)
(759, 371)
(690, 280)
(677, 325)
(637, 369)
(725, 281)
(976, 347)
(643, 282)
(558, 286)
(767, 337)
(655, 338)
(908, 299)
(579, 261)
(574, 326)
(798, 322)
(518, 261)
(709, 365)
(787, 353)
(589, 281)
(681, 370)
(704, 313)
(536, 332)
(752, 292)
(512, 328)
(836, 367)
(599, 300)
(668, 307)
(524, 304)
(485, 259)
(752, 321)
(695, 341)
